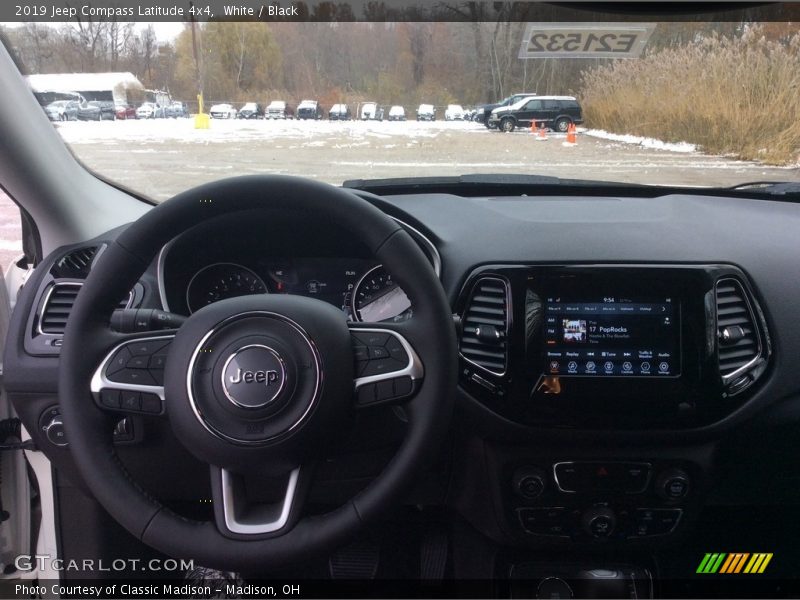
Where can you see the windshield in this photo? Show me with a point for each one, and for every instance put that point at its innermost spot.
(706, 103)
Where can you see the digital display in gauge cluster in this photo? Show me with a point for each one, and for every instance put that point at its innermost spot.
(363, 290)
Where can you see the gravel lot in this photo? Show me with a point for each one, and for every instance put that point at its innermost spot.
(163, 157)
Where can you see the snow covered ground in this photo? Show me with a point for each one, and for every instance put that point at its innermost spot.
(644, 142)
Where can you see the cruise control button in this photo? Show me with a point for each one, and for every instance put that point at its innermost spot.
(360, 353)
(130, 400)
(369, 338)
(396, 350)
(119, 361)
(376, 352)
(134, 376)
(151, 404)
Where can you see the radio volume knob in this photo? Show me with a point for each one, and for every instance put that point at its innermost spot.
(529, 482)
(673, 484)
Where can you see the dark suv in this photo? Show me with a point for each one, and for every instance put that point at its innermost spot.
(556, 112)
(484, 111)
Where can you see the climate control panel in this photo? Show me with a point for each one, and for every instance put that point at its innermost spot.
(596, 500)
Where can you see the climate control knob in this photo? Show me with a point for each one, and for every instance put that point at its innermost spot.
(599, 521)
(529, 482)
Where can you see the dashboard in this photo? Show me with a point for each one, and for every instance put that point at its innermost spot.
(608, 345)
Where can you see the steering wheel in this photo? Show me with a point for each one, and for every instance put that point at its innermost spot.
(254, 386)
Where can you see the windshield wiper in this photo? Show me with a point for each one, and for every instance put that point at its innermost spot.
(771, 188)
(486, 185)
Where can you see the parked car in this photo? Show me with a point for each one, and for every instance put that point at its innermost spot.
(370, 111)
(88, 111)
(251, 110)
(483, 111)
(62, 110)
(339, 112)
(309, 109)
(426, 112)
(222, 111)
(176, 109)
(125, 111)
(397, 113)
(108, 111)
(146, 111)
(556, 112)
(278, 109)
(454, 112)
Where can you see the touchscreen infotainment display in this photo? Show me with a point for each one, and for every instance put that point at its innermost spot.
(612, 336)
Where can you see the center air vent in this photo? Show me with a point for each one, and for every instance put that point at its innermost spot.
(740, 339)
(58, 305)
(485, 325)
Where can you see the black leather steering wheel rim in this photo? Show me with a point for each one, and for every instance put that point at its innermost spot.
(88, 338)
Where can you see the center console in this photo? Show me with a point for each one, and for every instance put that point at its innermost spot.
(604, 352)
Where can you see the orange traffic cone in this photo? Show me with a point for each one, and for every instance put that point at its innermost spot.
(542, 133)
(572, 138)
(533, 127)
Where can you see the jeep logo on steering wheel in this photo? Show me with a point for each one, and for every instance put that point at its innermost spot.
(253, 376)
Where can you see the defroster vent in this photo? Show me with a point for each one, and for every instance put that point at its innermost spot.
(485, 325)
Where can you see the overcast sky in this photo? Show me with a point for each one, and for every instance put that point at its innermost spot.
(165, 32)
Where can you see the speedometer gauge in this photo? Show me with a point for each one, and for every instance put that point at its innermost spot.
(220, 281)
(377, 297)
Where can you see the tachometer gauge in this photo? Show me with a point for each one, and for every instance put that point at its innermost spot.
(220, 281)
(377, 297)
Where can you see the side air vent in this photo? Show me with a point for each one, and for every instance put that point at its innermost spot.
(75, 264)
(485, 325)
(58, 304)
(740, 337)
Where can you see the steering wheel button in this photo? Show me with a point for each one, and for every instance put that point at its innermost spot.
(109, 398)
(158, 361)
(119, 361)
(134, 376)
(384, 390)
(130, 400)
(360, 353)
(366, 393)
(151, 404)
(369, 338)
(381, 366)
(147, 347)
(138, 362)
(396, 350)
(378, 352)
(157, 375)
(402, 386)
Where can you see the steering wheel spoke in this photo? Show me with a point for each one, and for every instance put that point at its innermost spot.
(251, 506)
(130, 378)
(387, 368)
